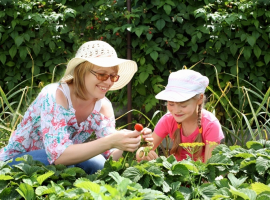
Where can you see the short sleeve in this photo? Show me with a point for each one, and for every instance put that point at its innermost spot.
(107, 127)
(54, 120)
(213, 132)
(163, 127)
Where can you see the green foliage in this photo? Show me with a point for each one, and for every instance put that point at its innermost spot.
(231, 173)
(166, 35)
(247, 120)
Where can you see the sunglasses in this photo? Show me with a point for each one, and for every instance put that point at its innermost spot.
(104, 77)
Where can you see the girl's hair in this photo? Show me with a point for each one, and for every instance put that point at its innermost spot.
(177, 138)
(78, 78)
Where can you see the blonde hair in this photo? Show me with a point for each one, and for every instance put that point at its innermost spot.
(177, 138)
(78, 79)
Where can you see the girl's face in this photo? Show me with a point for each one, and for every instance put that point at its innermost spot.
(187, 110)
(97, 88)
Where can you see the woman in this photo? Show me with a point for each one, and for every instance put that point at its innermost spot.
(65, 114)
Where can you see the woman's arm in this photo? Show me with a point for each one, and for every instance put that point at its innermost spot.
(76, 153)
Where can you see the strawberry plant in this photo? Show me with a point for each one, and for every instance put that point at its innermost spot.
(231, 173)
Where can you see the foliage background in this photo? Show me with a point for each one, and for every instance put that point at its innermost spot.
(166, 35)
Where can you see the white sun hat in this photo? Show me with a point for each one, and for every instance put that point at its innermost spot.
(102, 54)
(183, 85)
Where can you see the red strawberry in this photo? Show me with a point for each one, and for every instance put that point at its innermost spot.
(138, 127)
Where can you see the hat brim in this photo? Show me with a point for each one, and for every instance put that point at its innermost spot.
(174, 96)
(127, 68)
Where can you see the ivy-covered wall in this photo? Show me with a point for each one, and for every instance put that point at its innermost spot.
(166, 35)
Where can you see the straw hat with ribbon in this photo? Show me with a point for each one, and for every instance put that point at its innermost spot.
(102, 54)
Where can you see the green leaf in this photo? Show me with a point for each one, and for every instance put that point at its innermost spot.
(13, 23)
(233, 49)
(260, 188)
(251, 40)
(160, 24)
(265, 195)
(36, 49)
(5, 177)
(166, 187)
(52, 45)
(179, 169)
(250, 161)
(260, 64)
(88, 185)
(3, 58)
(194, 47)
(180, 19)
(218, 45)
(266, 58)
(142, 60)
(43, 177)
(149, 36)
(257, 51)
(113, 191)
(10, 63)
(236, 182)
(207, 190)
(143, 76)
(262, 165)
(170, 33)
(157, 175)
(154, 55)
(23, 52)
(167, 9)
(247, 52)
(254, 145)
(155, 2)
(238, 192)
(218, 159)
(139, 31)
(163, 58)
(155, 17)
(133, 174)
(18, 40)
(26, 191)
(13, 51)
(140, 88)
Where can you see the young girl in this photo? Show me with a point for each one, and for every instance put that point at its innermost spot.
(187, 121)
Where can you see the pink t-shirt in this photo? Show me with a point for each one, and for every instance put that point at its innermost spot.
(211, 131)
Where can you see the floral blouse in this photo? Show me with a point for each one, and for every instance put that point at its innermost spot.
(47, 125)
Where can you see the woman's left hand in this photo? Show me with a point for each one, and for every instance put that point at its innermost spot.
(147, 135)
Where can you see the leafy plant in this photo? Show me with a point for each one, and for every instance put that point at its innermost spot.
(247, 120)
(244, 173)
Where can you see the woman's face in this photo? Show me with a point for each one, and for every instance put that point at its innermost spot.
(97, 88)
(182, 111)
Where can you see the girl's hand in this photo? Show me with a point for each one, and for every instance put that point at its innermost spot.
(151, 155)
(147, 135)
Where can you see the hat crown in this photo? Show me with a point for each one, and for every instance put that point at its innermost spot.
(187, 81)
(95, 49)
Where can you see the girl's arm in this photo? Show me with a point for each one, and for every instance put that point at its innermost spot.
(208, 151)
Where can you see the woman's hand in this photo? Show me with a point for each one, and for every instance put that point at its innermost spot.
(125, 140)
